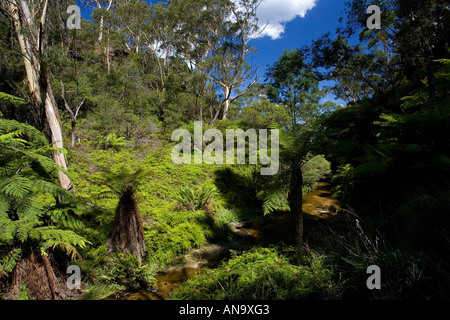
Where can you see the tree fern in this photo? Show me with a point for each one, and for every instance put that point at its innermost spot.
(274, 199)
(127, 232)
(51, 237)
(121, 178)
(8, 260)
(27, 176)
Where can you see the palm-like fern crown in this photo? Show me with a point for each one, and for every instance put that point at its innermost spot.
(294, 154)
(122, 179)
(27, 186)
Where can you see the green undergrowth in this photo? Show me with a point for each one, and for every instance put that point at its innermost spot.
(264, 274)
(183, 207)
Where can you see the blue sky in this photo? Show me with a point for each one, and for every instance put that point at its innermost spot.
(323, 17)
(291, 24)
(300, 31)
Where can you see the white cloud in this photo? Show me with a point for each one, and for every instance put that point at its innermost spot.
(277, 12)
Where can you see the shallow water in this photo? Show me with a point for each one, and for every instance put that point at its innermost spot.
(317, 205)
(166, 283)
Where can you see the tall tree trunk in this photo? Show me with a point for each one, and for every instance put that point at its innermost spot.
(38, 82)
(226, 104)
(32, 66)
(72, 134)
(100, 32)
(73, 114)
(295, 200)
(51, 110)
(108, 56)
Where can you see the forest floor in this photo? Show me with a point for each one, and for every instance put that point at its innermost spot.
(318, 206)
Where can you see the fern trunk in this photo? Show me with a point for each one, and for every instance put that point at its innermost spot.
(295, 200)
(127, 233)
(42, 276)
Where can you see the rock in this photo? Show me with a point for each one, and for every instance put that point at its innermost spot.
(240, 225)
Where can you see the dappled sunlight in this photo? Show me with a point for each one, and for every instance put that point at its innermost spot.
(318, 205)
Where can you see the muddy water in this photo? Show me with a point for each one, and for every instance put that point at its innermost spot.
(320, 204)
(166, 283)
(317, 205)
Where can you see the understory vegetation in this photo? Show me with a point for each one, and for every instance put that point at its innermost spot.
(265, 274)
(114, 204)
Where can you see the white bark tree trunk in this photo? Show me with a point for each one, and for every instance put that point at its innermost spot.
(73, 114)
(30, 44)
(51, 111)
(100, 32)
(226, 103)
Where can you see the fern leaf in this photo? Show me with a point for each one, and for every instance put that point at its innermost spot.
(4, 97)
(16, 186)
(9, 260)
(65, 239)
(274, 200)
(4, 206)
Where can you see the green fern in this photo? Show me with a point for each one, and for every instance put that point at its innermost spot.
(120, 179)
(204, 195)
(117, 143)
(27, 182)
(8, 260)
(4, 97)
(186, 198)
(195, 199)
(51, 237)
(274, 200)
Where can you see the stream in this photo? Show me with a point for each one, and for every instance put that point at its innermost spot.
(318, 205)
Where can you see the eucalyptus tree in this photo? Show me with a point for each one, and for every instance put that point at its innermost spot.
(213, 37)
(102, 8)
(227, 65)
(29, 21)
(292, 82)
(412, 36)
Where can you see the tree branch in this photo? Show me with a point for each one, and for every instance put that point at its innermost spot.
(72, 116)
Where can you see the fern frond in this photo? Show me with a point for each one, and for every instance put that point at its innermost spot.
(112, 141)
(16, 186)
(4, 206)
(4, 97)
(274, 200)
(9, 260)
(24, 229)
(195, 199)
(29, 133)
(122, 178)
(65, 239)
(11, 138)
(51, 188)
(63, 218)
